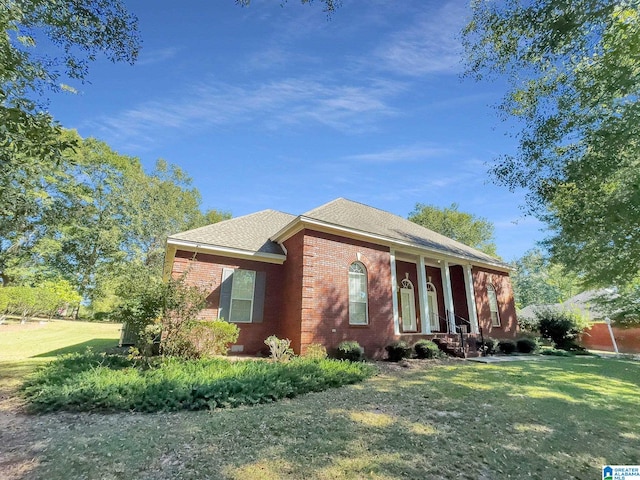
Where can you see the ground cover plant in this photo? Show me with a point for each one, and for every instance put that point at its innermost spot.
(98, 382)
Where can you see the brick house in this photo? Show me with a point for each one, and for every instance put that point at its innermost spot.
(342, 271)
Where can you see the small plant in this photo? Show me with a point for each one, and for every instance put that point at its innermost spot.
(527, 345)
(349, 350)
(507, 346)
(280, 348)
(398, 350)
(315, 351)
(488, 346)
(426, 349)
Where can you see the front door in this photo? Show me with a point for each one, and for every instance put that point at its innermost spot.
(408, 309)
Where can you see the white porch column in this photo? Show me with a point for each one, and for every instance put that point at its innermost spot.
(448, 296)
(422, 296)
(394, 293)
(471, 299)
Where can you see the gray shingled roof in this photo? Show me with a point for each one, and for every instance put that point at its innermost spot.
(346, 213)
(253, 232)
(250, 232)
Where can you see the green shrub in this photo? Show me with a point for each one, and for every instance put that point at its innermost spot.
(562, 327)
(349, 350)
(315, 351)
(170, 307)
(398, 350)
(280, 348)
(213, 337)
(426, 349)
(507, 346)
(488, 346)
(528, 324)
(527, 345)
(98, 382)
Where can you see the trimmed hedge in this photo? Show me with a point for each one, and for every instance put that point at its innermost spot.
(398, 350)
(349, 350)
(98, 382)
(426, 349)
(507, 346)
(527, 345)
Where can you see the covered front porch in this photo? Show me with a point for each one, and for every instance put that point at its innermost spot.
(432, 296)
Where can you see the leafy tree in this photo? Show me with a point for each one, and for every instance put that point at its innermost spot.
(537, 281)
(574, 76)
(329, 5)
(162, 203)
(74, 33)
(464, 227)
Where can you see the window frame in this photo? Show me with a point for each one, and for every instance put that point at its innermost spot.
(365, 276)
(491, 292)
(233, 290)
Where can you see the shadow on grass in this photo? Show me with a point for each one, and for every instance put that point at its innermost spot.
(96, 344)
(432, 422)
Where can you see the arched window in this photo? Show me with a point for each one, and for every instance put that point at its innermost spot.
(408, 306)
(358, 298)
(493, 305)
(432, 302)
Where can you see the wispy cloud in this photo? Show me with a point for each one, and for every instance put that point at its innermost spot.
(275, 104)
(401, 154)
(430, 45)
(157, 56)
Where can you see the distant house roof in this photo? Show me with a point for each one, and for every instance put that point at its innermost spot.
(583, 302)
(261, 233)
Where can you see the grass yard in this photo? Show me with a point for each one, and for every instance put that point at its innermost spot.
(24, 347)
(555, 418)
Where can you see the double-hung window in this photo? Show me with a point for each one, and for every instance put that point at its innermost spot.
(242, 289)
(242, 295)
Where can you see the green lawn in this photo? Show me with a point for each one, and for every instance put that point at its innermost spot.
(24, 347)
(555, 418)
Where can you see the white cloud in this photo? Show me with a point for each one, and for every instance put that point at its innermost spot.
(430, 45)
(157, 56)
(289, 102)
(401, 154)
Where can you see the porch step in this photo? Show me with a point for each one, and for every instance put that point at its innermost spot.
(452, 346)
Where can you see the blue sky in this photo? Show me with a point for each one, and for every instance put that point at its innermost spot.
(276, 106)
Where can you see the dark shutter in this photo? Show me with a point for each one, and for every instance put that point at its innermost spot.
(258, 297)
(225, 293)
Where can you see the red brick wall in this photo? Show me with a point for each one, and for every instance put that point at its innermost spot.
(206, 271)
(325, 300)
(598, 338)
(508, 323)
(292, 290)
(402, 268)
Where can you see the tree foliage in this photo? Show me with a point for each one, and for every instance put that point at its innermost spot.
(538, 281)
(464, 227)
(574, 74)
(95, 219)
(44, 46)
